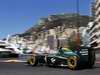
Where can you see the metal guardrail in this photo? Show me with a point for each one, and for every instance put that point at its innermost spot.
(25, 57)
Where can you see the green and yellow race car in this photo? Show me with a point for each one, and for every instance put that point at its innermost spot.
(73, 59)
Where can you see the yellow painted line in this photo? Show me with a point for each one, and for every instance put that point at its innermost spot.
(12, 61)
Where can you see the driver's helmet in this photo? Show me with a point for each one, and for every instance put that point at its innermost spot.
(65, 49)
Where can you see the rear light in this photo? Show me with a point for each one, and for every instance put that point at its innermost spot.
(78, 48)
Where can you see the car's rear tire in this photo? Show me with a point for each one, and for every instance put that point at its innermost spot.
(33, 61)
(91, 59)
(72, 62)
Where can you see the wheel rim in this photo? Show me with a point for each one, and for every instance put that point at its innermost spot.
(32, 60)
(72, 62)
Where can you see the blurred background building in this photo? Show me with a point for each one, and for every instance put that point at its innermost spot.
(95, 29)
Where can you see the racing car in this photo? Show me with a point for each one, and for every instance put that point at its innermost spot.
(73, 59)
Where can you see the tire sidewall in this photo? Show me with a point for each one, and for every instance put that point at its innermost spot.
(91, 58)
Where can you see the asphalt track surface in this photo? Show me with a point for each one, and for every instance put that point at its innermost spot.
(22, 69)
